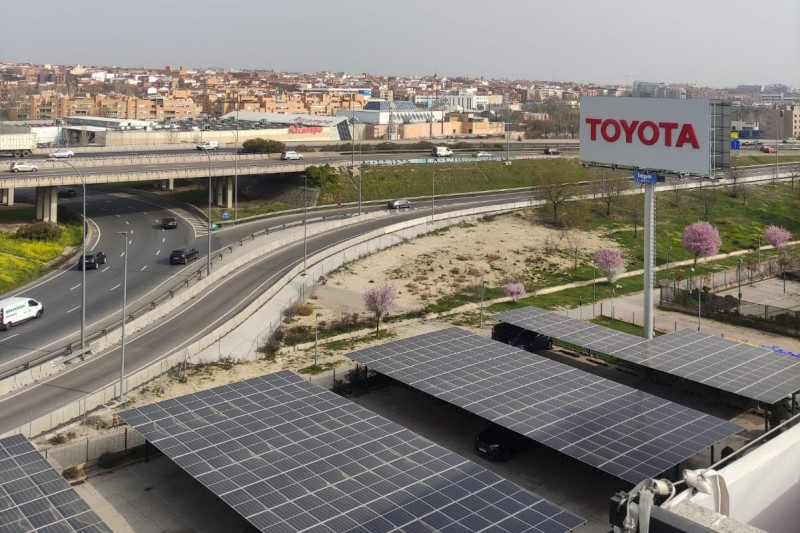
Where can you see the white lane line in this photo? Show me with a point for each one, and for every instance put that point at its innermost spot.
(115, 287)
(158, 252)
(106, 268)
(118, 215)
(75, 287)
(73, 309)
(8, 338)
(163, 239)
(143, 268)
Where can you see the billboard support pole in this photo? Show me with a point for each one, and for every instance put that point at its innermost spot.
(649, 241)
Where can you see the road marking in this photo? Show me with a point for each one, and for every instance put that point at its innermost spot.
(9, 338)
(128, 223)
(73, 309)
(115, 287)
(143, 268)
(158, 252)
(75, 287)
(118, 216)
(163, 239)
(106, 268)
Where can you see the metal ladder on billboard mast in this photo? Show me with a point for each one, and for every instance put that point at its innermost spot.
(649, 248)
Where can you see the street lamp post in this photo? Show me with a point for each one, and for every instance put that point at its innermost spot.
(236, 168)
(305, 221)
(316, 336)
(739, 278)
(433, 194)
(210, 224)
(480, 315)
(83, 252)
(124, 317)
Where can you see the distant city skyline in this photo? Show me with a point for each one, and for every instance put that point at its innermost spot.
(717, 44)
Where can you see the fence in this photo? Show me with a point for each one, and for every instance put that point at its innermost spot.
(731, 310)
(91, 448)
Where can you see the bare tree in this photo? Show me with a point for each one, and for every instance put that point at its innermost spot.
(794, 173)
(735, 174)
(634, 205)
(707, 196)
(575, 242)
(611, 189)
(557, 185)
(677, 192)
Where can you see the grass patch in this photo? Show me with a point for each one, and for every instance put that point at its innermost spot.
(319, 368)
(350, 344)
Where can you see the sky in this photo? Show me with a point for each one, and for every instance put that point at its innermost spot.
(704, 42)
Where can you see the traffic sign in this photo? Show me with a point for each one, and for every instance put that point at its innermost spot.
(226, 215)
(735, 144)
(640, 176)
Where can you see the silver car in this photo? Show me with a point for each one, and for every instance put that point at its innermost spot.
(23, 166)
(400, 203)
(62, 153)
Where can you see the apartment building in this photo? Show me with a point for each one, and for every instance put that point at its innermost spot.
(51, 106)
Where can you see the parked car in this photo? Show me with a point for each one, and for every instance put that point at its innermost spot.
(552, 151)
(169, 223)
(62, 153)
(181, 256)
(483, 154)
(291, 155)
(208, 145)
(67, 193)
(92, 260)
(530, 341)
(499, 443)
(400, 203)
(23, 166)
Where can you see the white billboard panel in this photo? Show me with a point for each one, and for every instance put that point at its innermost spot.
(647, 133)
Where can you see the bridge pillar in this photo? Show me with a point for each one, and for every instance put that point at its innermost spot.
(219, 186)
(229, 186)
(7, 196)
(167, 184)
(47, 204)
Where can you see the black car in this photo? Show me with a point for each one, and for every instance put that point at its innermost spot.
(67, 193)
(497, 442)
(92, 260)
(181, 256)
(552, 151)
(169, 223)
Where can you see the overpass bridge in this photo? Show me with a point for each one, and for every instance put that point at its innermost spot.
(218, 168)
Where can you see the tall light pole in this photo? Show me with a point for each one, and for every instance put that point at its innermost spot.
(236, 167)
(480, 316)
(353, 155)
(316, 336)
(83, 252)
(433, 194)
(210, 224)
(124, 317)
(305, 221)
(739, 278)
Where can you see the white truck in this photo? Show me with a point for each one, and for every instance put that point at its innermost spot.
(441, 151)
(208, 145)
(16, 310)
(17, 144)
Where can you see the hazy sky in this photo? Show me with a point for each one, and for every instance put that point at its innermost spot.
(708, 42)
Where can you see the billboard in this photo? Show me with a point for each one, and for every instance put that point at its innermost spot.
(648, 133)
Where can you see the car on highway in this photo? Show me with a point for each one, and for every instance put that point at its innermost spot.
(169, 223)
(182, 256)
(17, 310)
(552, 151)
(23, 166)
(291, 155)
(67, 193)
(499, 443)
(208, 145)
(92, 260)
(400, 203)
(484, 154)
(63, 153)
(769, 149)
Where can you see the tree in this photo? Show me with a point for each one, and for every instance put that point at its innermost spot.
(777, 236)
(557, 186)
(635, 207)
(677, 192)
(707, 196)
(735, 174)
(701, 239)
(611, 189)
(515, 290)
(378, 301)
(263, 146)
(610, 263)
(794, 173)
(575, 243)
(319, 175)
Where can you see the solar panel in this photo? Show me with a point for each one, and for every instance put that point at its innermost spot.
(617, 429)
(34, 497)
(289, 456)
(750, 371)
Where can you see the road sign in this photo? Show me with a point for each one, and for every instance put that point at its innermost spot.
(640, 176)
(226, 215)
(735, 144)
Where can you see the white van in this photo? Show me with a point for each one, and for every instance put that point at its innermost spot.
(208, 145)
(16, 310)
(441, 151)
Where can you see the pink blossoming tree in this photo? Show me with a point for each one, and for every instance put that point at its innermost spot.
(777, 236)
(701, 239)
(378, 301)
(610, 263)
(515, 290)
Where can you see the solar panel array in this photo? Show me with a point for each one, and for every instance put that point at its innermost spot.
(34, 497)
(617, 429)
(290, 456)
(749, 371)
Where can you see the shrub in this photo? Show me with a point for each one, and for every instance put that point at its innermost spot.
(72, 472)
(299, 309)
(263, 146)
(40, 231)
(58, 438)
